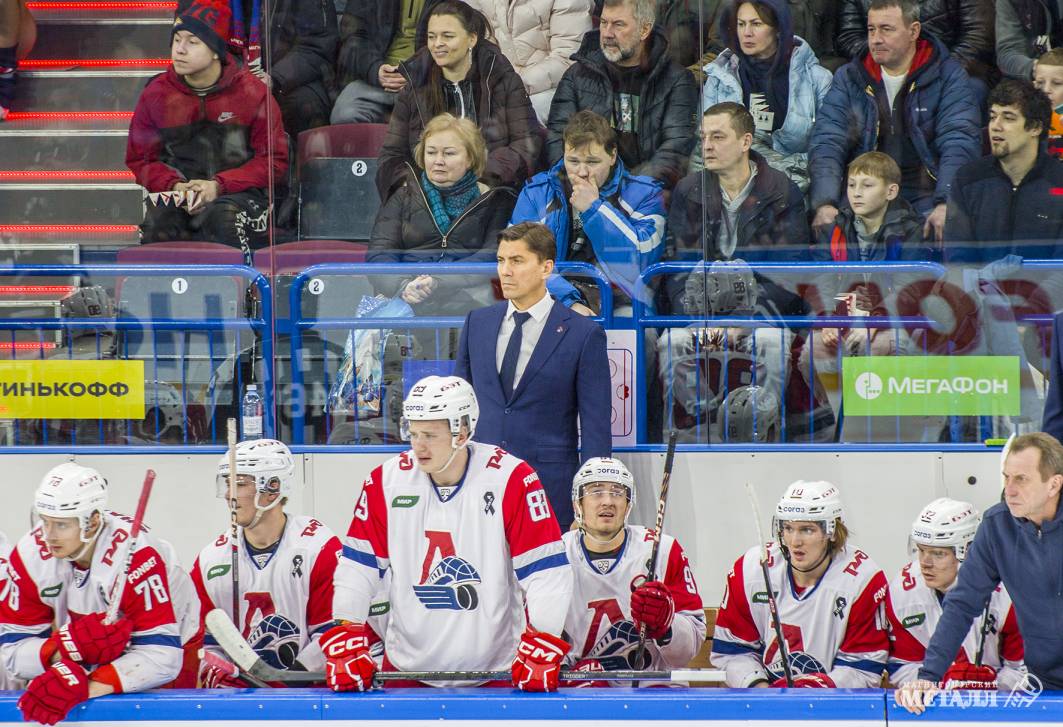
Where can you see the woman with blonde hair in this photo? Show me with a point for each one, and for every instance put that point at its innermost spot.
(442, 213)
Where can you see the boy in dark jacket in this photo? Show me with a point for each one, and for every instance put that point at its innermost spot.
(875, 225)
(208, 128)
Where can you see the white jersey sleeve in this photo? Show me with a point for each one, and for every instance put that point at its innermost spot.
(7, 679)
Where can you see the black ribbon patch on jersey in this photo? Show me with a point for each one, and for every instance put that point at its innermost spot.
(839, 607)
(297, 566)
(489, 503)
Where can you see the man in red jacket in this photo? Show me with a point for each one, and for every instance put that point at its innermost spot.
(209, 129)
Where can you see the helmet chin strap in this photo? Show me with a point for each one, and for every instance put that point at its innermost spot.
(450, 460)
(826, 554)
(260, 511)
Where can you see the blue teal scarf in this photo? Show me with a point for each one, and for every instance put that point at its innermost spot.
(448, 204)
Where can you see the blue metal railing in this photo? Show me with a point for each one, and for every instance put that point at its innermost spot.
(260, 326)
(298, 323)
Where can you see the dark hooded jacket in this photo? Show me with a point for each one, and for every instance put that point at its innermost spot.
(503, 112)
(668, 101)
(940, 116)
(367, 29)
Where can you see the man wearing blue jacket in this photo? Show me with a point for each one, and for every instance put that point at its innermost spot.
(598, 212)
(1019, 543)
(905, 97)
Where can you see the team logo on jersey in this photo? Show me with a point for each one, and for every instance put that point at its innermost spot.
(405, 500)
(618, 648)
(839, 607)
(489, 503)
(297, 566)
(913, 620)
(276, 640)
(801, 662)
(603, 565)
(450, 586)
(216, 571)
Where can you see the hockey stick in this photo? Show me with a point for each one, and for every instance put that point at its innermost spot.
(773, 605)
(229, 669)
(229, 639)
(234, 534)
(118, 587)
(651, 565)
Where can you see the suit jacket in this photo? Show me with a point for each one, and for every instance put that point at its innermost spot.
(567, 376)
(1053, 417)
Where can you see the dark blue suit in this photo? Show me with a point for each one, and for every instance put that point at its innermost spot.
(567, 375)
(1053, 419)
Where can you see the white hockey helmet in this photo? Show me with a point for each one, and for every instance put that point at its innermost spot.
(72, 490)
(946, 523)
(270, 462)
(441, 397)
(603, 469)
(813, 501)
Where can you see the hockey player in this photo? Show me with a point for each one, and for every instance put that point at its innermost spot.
(940, 538)
(62, 572)
(287, 563)
(465, 530)
(608, 556)
(829, 596)
(7, 681)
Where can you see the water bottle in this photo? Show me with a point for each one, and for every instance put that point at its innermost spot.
(251, 413)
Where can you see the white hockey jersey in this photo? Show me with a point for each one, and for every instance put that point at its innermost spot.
(458, 565)
(159, 599)
(7, 680)
(836, 627)
(285, 604)
(913, 610)
(599, 623)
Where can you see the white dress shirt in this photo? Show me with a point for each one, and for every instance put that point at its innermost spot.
(530, 332)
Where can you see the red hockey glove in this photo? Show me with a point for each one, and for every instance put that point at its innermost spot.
(969, 676)
(50, 697)
(814, 680)
(652, 604)
(217, 677)
(590, 666)
(88, 640)
(537, 666)
(348, 665)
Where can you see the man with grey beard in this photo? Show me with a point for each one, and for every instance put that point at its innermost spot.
(624, 73)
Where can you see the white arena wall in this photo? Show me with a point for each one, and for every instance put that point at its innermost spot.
(708, 509)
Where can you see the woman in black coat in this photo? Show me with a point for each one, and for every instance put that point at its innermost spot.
(460, 72)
